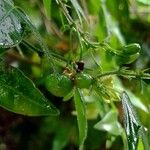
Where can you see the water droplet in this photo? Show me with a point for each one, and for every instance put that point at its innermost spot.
(10, 27)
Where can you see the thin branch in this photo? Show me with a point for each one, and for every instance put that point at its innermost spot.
(120, 73)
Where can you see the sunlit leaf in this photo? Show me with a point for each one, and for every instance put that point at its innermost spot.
(145, 2)
(110, 123)
(47, 6)
(81, 116)
(137, 102)
(131, 123)
(140, 145)
(18, 94)
(93, 7)
(92, 111)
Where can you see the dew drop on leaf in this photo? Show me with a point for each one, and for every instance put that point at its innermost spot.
(10, 25)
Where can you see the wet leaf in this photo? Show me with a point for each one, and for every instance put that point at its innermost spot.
(81, 116)
(19, 95)
(11, 27)
(131, 123)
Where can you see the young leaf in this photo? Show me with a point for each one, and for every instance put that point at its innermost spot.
(18, 94)
(11, 29)
(81, 116)
(131, 123)
(110, 123)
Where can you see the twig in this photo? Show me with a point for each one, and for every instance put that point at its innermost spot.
(120, 73)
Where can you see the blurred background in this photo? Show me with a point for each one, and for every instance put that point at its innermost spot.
(118, 21)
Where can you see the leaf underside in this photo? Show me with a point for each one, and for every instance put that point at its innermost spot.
(131, 123)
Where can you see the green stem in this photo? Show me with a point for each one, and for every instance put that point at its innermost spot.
(119, 73)
(81, 45)
(55, 57)
(27, 44)
(124, 139)
(65, 11)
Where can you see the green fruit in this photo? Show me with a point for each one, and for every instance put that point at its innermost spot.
(126, 59)
(126, 54)
(126, 50)
(83, 80)
(131, 49)
(58, 84)
(132, 58)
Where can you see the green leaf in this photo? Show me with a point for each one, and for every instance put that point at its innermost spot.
(145, 2)
(19, 95)
(145, 140)
(81, 116)
(28, 24)
(137, 102)
(69, 95)
(120, 15)
(131, 123)
(110, 123)
(47, 6)
(11, 28)
(112, 26)
(140, 145)
(61, 139)
(78, 9)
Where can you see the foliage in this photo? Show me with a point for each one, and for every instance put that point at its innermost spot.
(89, 59)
